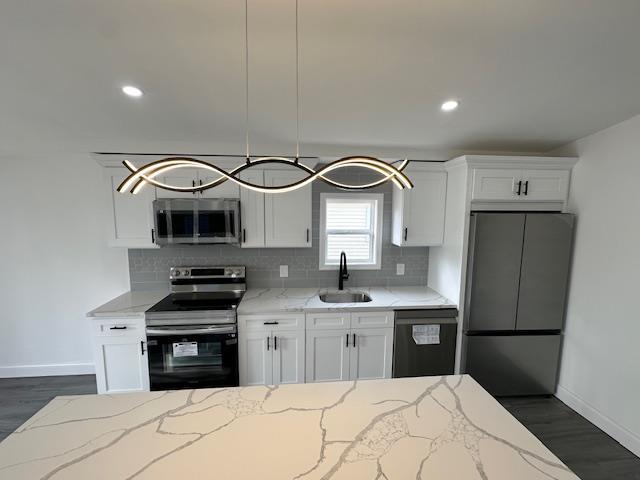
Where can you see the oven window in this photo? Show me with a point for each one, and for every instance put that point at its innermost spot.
(193, 361)
(216, 223)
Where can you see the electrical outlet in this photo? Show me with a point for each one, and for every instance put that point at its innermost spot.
(284, 270)
(399, 268)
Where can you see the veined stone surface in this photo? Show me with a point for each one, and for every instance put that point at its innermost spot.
(412, 428)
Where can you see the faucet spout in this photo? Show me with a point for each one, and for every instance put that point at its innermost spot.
(343, 274)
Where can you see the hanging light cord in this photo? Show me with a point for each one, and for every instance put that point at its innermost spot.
(246, 73)
(297, 88)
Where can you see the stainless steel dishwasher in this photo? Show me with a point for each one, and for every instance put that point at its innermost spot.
(425, 342)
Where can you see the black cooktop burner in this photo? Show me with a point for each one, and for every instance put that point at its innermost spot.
(201, 301)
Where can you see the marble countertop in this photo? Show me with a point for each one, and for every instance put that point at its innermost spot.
(274, 300)
(130, 304)
(397, 429)
(277, 300)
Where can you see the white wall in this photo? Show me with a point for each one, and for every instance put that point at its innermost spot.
(600, 374)
(55, 263)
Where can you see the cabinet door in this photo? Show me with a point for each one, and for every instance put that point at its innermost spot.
(422, 210)
(495, 254)
(255, 358)
(546, 255)
(495, 184)
(130, 217)
(545, 185)
(288, 357)
(226, 189)
(287, 215)
(121, 364)
(252, 211)
(371, 353)
(327, 355)
(180, 177)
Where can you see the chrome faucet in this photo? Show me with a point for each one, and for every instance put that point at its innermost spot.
(343, 274)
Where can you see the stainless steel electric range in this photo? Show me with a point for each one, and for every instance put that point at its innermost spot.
(192, 334)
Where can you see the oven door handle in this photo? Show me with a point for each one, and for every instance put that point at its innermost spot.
(189, 331)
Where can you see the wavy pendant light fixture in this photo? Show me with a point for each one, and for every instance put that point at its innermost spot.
(146, 175)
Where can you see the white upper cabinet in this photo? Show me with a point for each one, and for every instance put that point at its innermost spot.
(193, 177)
(129, 217)
(545, 184)
(252, 211)
(520, 185)
(179, 177)
(287, 215)
(418, 213)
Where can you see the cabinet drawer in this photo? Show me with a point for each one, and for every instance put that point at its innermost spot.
(371, 319)
(324, 321)
(119, 327)
(275, 322)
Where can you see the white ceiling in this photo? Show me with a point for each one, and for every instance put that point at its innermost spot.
(531, 75)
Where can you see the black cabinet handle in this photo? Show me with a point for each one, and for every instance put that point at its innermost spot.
(406, 230)
(193, 184)
(275, 342)
(153, 235)
(268, 339)
(354, 339)
(244, 235)
(200, 182)
(307, 235)
(118, 328)
(270, 323)
(519, 187)
(526, 187)
(142, 350)
(347, 344)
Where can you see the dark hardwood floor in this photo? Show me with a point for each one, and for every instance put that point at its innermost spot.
(588, 451)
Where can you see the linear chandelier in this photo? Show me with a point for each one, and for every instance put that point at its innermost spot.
(147, 174)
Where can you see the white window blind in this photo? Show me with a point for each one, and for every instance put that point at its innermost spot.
(350, 225)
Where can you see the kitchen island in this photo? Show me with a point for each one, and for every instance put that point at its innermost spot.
(423, 427)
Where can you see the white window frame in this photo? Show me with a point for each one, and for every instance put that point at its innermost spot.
(378, 198)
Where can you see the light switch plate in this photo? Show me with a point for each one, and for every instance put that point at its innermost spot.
(399, 268)
(284, 270)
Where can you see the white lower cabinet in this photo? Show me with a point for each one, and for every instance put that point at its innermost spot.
(327, 355)
(120, 355)
(351, 352)
(271, 349)
(370, 353)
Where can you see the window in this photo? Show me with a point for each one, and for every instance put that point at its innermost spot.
(350, 223)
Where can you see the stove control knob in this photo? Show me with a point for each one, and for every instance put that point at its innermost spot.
(176, 273)
(185, 273)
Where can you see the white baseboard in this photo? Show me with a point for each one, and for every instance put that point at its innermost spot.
(625, 437)
(47, 370)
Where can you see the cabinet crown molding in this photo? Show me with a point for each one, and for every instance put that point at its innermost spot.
(512, 161)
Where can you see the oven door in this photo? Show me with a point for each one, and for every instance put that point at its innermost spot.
(192, 221)
(197, 356)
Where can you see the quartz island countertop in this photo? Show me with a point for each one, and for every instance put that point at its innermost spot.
(275, 300)
(397, 429)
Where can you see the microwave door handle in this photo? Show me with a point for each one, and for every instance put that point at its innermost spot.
(189, 331)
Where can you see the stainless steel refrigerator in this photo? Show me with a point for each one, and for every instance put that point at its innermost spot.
(517, 275)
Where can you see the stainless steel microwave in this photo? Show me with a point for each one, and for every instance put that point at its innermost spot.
(196, 221)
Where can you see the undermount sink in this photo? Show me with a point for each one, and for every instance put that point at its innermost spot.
(345, 297)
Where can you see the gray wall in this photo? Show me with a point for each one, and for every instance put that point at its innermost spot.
(149, 269)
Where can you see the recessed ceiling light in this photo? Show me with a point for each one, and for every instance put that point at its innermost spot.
(131, 91)
(449, 105)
